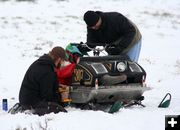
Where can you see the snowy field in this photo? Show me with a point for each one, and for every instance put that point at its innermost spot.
(30, 29)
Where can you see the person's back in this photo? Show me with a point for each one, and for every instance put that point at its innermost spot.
(34, 87)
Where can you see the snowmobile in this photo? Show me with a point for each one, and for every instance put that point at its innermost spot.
(105, 83)
(106, 80)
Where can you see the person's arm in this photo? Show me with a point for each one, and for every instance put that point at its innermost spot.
(124, 41)
(91, 39)
(126, 32)
(47, 84)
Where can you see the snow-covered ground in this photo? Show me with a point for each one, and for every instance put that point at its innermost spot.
(29, 29)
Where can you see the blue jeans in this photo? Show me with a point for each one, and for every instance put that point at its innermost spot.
(135, 51)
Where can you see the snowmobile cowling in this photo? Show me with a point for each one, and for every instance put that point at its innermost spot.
(105, 79)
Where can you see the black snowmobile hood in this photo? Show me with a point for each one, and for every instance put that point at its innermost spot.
(46, 60)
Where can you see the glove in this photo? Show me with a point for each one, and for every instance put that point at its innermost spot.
(112, 50)
(82, 48)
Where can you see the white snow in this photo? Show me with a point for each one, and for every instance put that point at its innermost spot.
(27, 30)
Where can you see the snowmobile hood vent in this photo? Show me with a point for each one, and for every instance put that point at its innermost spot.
(99, 68)
(134, 67)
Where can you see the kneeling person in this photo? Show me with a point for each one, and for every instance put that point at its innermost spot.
(39, 89)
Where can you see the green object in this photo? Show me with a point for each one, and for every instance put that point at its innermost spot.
(72, 52)
(115, 107)
(73, 49)
(165, 103)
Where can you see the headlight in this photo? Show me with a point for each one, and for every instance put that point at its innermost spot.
(121, 66)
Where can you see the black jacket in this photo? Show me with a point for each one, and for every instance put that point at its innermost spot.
(117, 30)
(40, 83)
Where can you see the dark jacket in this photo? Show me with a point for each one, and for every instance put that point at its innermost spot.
(40, 83)
(117, 30)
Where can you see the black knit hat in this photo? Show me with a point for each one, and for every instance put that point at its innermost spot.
(91, 18)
